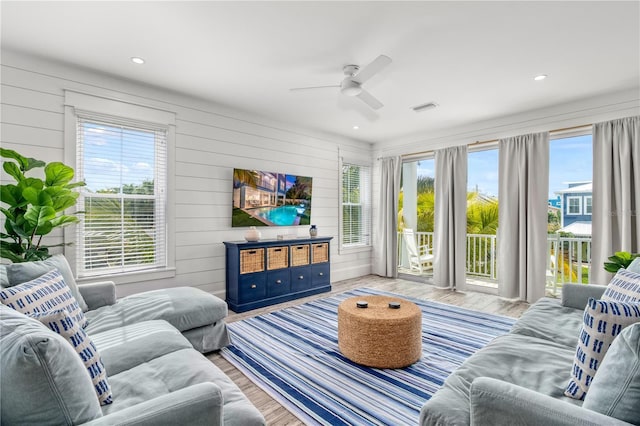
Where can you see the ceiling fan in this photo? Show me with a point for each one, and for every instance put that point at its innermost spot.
(351, 85)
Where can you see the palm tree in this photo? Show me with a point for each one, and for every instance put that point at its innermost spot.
(482, 214)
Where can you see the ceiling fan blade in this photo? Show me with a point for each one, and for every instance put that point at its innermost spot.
(368, 99)
(372, 69)
(295, 89)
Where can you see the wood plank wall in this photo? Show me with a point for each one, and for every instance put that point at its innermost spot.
(210, 141)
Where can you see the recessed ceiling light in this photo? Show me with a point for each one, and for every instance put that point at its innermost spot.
(137, 60)
(540, 77)
(356, 127)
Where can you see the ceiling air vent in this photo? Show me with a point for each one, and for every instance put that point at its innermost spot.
(425, 107)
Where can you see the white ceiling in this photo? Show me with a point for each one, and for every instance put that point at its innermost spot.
(476, 59)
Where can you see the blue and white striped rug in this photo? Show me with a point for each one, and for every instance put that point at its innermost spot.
(293, 355)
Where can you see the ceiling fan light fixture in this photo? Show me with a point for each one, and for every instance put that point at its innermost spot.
(350, 87)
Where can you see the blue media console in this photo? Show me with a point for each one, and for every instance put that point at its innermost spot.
(267, 272)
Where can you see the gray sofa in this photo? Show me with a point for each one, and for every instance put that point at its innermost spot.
(146, 342)
(519, 378)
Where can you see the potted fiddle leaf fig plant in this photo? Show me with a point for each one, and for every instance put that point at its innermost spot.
(620, 260)
(33, 207)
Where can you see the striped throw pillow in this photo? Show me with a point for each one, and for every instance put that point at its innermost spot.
(61, 322)
(623, 287)
(43, 294)
(602, 322)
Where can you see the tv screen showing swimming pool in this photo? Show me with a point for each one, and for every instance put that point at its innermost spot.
(270, 199)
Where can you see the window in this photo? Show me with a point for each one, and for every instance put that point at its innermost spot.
(356, 205)
(574, 205)
(587, 204)
(124, 202)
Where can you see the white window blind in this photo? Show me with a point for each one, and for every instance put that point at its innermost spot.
(124, 202)
(356, 205)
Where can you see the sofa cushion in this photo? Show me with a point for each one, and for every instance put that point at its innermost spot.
(183, 307)
(60, 322)
(17, 273)
(529, 362)
(125, 347)
(615, 390)
(548, 320)
(623, 287)
(178, 370)
(39, 367)
(603, 321)
(43, 294)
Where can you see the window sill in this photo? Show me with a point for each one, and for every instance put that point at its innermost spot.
(132, 277)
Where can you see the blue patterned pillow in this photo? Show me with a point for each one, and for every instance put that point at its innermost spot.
(44, 294)
(623, 287)
(61, 322)
(602, 322)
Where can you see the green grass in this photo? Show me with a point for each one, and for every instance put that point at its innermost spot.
(240, 218)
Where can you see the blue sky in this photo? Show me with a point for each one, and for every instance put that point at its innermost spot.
(115, 156)
(570, 160)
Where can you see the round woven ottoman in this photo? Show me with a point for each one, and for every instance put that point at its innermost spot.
(378, 336)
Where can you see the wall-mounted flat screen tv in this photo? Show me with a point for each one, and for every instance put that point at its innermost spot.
(270, 199)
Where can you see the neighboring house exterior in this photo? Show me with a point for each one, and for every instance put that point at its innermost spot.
(556, 202)
(576, 205)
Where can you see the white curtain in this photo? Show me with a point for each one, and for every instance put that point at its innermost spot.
(385, 247)
(616, 192)
(450, 227)
(522, 232)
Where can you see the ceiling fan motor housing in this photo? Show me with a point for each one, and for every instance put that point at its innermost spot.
(348, 87)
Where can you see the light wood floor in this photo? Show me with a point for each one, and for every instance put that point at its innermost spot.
(276, 414)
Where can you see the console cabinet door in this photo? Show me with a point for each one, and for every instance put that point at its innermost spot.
(300, 278)
(320, 274)
(252, 287)
(278, 283)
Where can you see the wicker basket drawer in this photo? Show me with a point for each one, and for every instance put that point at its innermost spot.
(277, 258)
(320, 253)
(251, 260)
(300, 255)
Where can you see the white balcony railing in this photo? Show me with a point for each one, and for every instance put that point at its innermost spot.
(569, 258)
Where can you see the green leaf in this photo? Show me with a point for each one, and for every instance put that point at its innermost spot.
(7, 213)
(64, 220)
(8, 153)
(58, 174)
(18, 228)
(62, 203)
(37, 197)
(611, 267)
(31, 183)
(10, 194)
(13, 170)
(75, 185)
(7, 253)
(623, 255)
(38, 215)
(44, 229)
(25, 163)
(36, 253)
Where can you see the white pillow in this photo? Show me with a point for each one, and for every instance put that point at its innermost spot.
(602, 322)
(623, 287)
(43, 294)
(60, 321)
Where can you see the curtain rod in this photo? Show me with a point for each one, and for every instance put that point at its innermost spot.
(492, 141)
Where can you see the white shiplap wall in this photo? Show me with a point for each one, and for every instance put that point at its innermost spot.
(210, 142)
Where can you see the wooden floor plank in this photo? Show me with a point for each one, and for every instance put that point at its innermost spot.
(275, 413)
